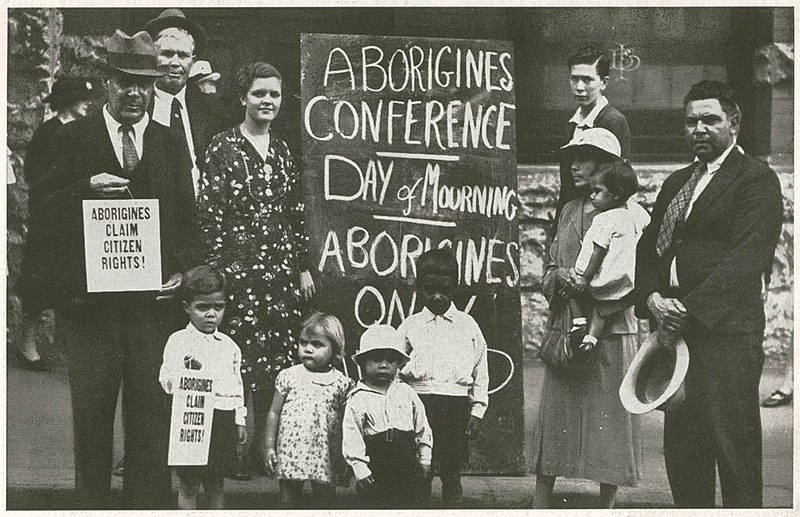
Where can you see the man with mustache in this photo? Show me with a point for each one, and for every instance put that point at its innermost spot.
(118, 338)
(701, 270)
(194, 117)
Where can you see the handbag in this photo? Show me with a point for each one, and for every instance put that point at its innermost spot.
(556, 350)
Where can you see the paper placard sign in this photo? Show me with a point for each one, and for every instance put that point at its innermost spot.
(192, 415)
(122, 245)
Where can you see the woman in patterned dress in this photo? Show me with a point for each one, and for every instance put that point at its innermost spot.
(251, 210)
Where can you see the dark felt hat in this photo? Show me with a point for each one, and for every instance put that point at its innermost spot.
(135, 55)
(69, 89)
(176, 18)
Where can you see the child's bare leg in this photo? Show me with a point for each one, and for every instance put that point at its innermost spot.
(215, 495)
(188, 490)
(322, 494)
(291, 492)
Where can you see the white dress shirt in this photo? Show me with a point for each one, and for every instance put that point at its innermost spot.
(370, 412)
(162, 113)
(115, 134)
(448, 356)
(582, 123)
(219, 358)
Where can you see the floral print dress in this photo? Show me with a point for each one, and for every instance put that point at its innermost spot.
(251, 212)
(309, 442)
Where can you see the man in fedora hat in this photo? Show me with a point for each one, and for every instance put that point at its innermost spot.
(114, 338)
(68, 100)
(193, 116)
(700, 272)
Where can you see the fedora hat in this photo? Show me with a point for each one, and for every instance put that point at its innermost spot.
(381, 337)
(69, 89)
(135, 55)
(201, 71)
(655, 377)
(176, 18)
(595, 139)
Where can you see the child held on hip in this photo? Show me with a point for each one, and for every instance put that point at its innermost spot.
(606, 264)
(202, 348)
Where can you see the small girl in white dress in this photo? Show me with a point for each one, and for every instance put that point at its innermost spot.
(606, 264)
(303, 439)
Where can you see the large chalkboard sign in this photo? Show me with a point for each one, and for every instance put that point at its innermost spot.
(409, 143)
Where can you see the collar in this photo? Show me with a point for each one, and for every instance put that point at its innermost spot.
(321, 378)
(167, 97)
(114, 126)
(714, 165)
(448, 315)
(588, 121)
(216, 335)
(360, 386)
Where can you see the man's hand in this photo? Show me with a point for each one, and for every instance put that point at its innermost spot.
(580, 283)
(363, 485)
(307, 288)
(670, 313)
(472, 425)
(108, 185)
(170, 289)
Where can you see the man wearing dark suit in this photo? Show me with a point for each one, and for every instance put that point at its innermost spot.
(194, 116)
(700, 273)
(114, 338)
(588, 77)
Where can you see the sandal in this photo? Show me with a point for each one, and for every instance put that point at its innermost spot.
(778, 398)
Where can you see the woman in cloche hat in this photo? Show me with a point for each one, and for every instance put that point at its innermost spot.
(69, 100)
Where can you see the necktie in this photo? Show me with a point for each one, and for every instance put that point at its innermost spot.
(676, 210)
(176, 124)
(130, 158)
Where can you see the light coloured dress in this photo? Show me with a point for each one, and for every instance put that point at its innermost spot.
(582, 430)
(309, 443)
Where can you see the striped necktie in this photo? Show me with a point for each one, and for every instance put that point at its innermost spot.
(130, 158)
(676, 210)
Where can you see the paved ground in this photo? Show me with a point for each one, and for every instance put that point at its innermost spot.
(40, 472)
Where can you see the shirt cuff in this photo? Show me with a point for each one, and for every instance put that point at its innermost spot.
(240, 415)
(478, 410)
(360, 470)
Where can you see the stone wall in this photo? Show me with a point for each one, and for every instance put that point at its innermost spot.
(538, 191)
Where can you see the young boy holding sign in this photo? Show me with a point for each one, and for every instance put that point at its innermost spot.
(200, 358)
(447, 367)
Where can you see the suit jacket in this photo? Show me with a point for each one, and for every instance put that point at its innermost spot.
(206, 119)
(722, 250)
(83, 150)
(609, 118)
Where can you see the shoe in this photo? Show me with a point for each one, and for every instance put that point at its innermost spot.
(452, 493)
(119, 468)
(778, 398)
(39, 365)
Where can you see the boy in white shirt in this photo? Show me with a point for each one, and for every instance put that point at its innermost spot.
(447, 367)
(386, 438)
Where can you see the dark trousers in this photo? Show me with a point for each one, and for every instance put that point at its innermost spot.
(121, 341)
(719, 424)
(448, 418)
(395, 468)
